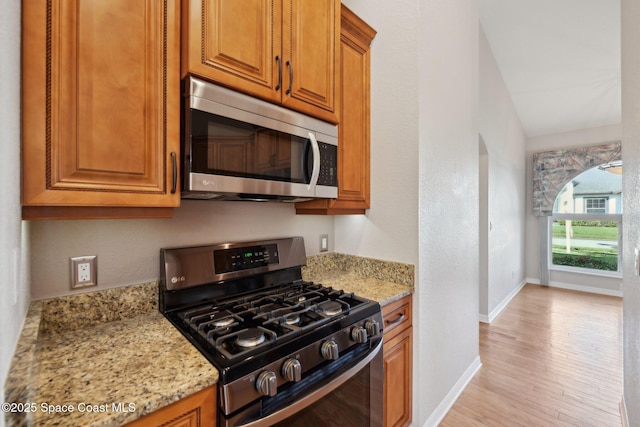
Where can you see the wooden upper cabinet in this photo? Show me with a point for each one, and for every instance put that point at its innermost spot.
(101, 106)
(310, 46)
(285, 51)
(354, 128)
(234, 42)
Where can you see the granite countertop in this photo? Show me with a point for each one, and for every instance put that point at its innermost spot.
(382, 281)
(382, 291)
(83, 369)
(109, 357)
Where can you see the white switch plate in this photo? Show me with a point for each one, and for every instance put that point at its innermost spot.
(84, 271)
(636, 261)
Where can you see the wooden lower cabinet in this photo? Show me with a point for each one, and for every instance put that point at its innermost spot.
(398, 355)
(197, 410)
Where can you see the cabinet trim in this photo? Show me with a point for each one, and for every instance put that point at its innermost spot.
(90, 212)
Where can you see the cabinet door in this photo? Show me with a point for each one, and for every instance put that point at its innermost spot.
(197, 410)
(398, 357)
(310, 47)
(235, 43)
(354, 159)
(101, 103)
(397, 379)
(354, 129)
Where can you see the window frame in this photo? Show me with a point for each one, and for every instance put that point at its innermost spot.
(585, 217)
(604, 199)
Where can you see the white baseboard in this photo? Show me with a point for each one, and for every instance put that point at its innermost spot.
(623, 413)
(441, 411)
(496, 311)
(581, 288)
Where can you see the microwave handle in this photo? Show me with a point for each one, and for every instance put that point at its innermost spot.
(315, 172)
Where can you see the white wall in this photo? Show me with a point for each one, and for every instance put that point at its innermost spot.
(15, 298)
(389, 229)
(505, 140)
(128, 250)
(581, 138)
(424, 164)
(631, 216)
(447, 298)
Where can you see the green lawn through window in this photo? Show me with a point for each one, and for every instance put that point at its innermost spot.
(604, 257)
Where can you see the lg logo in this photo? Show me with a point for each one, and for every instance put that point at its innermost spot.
(177, 279)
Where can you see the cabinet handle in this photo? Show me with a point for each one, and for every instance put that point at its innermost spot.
(279, 61)
(174, 168)
(290, 77)
(398, 320)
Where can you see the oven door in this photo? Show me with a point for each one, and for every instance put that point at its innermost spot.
(343, 393)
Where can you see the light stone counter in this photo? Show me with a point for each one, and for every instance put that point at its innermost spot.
(383, 291)
(109, 371)
(382, 281)
(113, 353)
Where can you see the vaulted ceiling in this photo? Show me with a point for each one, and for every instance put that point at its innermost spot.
(560, 60)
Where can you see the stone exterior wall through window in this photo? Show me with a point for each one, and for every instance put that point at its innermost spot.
(553, 169)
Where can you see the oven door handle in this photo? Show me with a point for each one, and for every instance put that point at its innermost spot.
(317, 394)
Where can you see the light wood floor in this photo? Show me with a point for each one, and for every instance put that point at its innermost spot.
(552, 358)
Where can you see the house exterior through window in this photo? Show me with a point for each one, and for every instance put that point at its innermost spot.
(586, 230)
(595, 204)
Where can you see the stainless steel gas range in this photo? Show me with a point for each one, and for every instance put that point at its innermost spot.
(289, 352)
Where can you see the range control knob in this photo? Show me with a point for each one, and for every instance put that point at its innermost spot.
(359, 334)
(373, 327)
(267, 383)
(329, 350)
(292, 370)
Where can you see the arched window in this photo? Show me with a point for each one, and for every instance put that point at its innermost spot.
(586, 231)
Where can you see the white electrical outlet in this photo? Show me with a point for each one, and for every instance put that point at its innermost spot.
(84, 272)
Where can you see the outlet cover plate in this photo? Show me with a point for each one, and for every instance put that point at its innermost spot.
(324, 242)
(84, 271)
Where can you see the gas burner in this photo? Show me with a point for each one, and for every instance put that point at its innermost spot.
(248, 321)
(250, 338)
(240, 344)
(225, 321)
(292, 319)
(330, 308)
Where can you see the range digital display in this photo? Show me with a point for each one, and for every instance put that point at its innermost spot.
(237, 259)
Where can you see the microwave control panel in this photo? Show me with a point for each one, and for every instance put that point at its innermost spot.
(328, 165)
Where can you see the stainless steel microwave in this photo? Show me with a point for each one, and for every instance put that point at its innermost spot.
(236, 147)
